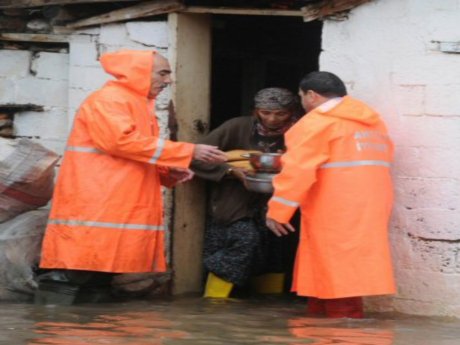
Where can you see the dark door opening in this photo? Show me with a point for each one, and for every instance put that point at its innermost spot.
(253, 52)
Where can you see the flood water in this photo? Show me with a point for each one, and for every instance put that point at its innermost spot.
(212, 322)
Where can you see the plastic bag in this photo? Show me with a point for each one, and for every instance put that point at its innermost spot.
(20, 246)
(26, 176)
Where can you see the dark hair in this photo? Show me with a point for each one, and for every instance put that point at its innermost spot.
(325, 83)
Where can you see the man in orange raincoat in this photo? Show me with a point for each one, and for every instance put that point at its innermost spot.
(337, 170)
(107, 209)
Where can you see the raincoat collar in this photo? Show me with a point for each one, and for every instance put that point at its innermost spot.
(349, 108)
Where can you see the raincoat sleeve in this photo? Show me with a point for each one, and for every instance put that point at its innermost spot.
(307, 148)
(111, 127)
(220, 137)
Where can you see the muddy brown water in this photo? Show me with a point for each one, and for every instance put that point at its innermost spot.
(212, 322)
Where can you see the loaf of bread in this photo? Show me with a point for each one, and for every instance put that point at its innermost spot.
(238, 155)
(241, 164)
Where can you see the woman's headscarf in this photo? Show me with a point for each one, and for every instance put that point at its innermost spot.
(274, 98)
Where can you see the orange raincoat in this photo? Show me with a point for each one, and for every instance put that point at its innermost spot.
(336, 169)
(107, 209)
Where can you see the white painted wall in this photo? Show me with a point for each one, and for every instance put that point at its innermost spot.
(389, 55)
(39, 78)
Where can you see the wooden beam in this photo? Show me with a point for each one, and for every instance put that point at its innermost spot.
(37, 3)
(18, 37)
(15, 108)
(190, 60)
(243, 11)
(144, 9)
(326, 8)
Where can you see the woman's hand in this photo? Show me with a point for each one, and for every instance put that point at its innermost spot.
(240, 174)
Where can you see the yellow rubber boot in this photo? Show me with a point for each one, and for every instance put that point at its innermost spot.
(269, 283)
(217, 287)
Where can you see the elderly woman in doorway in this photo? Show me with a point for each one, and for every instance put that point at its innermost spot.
(237, 245)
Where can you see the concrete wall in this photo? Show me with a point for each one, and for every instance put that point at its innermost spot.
(61, 81)
(389, 54)
(39, 78)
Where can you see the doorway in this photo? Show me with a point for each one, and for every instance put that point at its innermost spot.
(250, 53)
(219, 62)
(253, 52)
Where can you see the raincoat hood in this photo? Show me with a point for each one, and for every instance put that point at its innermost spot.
(131, 68)
(360, 112)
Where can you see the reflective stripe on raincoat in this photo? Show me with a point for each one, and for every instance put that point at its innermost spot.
(336, 169)
(107, 209)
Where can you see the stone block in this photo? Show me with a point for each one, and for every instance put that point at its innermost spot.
(54, 144)
(42, 92)
(49, 124)
(71, 112)
(153, 34)
(428, 131)
(435, 255)
(113, 34)
(443, 25)
(53, 66)
(77, 96)
(437, 224)
(7, 91)
(87, 78)
(14, 63)
(443, 100)
(422, 308)
(434, 287)
(401, 246)
(430, 68)
(410, 99)
(442, 193)
(429, 162)
(83, 53)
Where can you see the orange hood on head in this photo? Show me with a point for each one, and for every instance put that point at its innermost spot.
(132, 68)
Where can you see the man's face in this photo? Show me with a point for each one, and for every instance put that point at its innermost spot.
(161, 76)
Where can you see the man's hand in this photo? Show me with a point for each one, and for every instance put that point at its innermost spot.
(209, 154)
(279, 229)
(181, 175)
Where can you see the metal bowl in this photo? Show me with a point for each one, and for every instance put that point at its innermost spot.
(266, 162)
(260, 183)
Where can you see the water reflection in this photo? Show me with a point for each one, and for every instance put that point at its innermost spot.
(128, 328)
(206, 322)
(318, 331)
